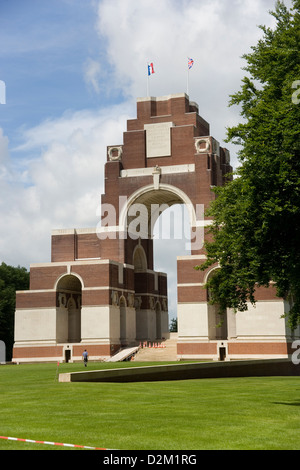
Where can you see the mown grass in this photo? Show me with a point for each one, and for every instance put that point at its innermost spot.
(212, 414)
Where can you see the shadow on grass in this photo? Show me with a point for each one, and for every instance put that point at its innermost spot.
(295, 403)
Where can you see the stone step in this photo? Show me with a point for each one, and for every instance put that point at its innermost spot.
(164, 351)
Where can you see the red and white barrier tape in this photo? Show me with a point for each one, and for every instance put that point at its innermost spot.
(51, 443)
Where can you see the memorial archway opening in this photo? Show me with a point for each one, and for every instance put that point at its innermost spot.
(69, 300)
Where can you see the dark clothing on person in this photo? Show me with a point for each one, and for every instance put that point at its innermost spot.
(85, 357)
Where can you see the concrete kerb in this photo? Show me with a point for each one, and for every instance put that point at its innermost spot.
(268, 367)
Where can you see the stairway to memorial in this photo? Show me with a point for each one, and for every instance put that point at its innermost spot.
(159, 351)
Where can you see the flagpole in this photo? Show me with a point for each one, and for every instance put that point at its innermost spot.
(147, 83)
(190, 65)
(187, 81)
(150, 71)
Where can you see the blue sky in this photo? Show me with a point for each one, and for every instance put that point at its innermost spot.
(73, 70)
(44, 50)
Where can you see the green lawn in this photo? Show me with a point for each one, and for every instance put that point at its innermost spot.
(231, 413)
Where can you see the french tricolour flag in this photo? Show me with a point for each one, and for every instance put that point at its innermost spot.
(150, 69)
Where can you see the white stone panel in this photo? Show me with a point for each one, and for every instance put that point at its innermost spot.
(192, 320)
(158, 139)
(95, 322)
(263, 320)
(130, 324)
(114, 322)
(103, 323)
(62, 325)
(165, 324)
(35, 325)
(142, 324)
(165, 170)
(146, 327)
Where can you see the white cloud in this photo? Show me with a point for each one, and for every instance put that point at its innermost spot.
(92, 74)
(63, 185)
(215, 33)
(4, 154)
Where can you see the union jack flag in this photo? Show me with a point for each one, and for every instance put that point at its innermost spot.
(190, 63)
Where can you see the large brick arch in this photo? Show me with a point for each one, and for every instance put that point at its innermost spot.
(164, 195)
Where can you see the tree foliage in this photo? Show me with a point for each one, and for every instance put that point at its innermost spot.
(173, 328)
(256, 228)
(11, 280)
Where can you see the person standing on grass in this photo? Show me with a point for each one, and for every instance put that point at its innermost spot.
(85, 357)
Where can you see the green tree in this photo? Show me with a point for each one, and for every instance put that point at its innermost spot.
(173, 325)
(11, 280)
(256, 228)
